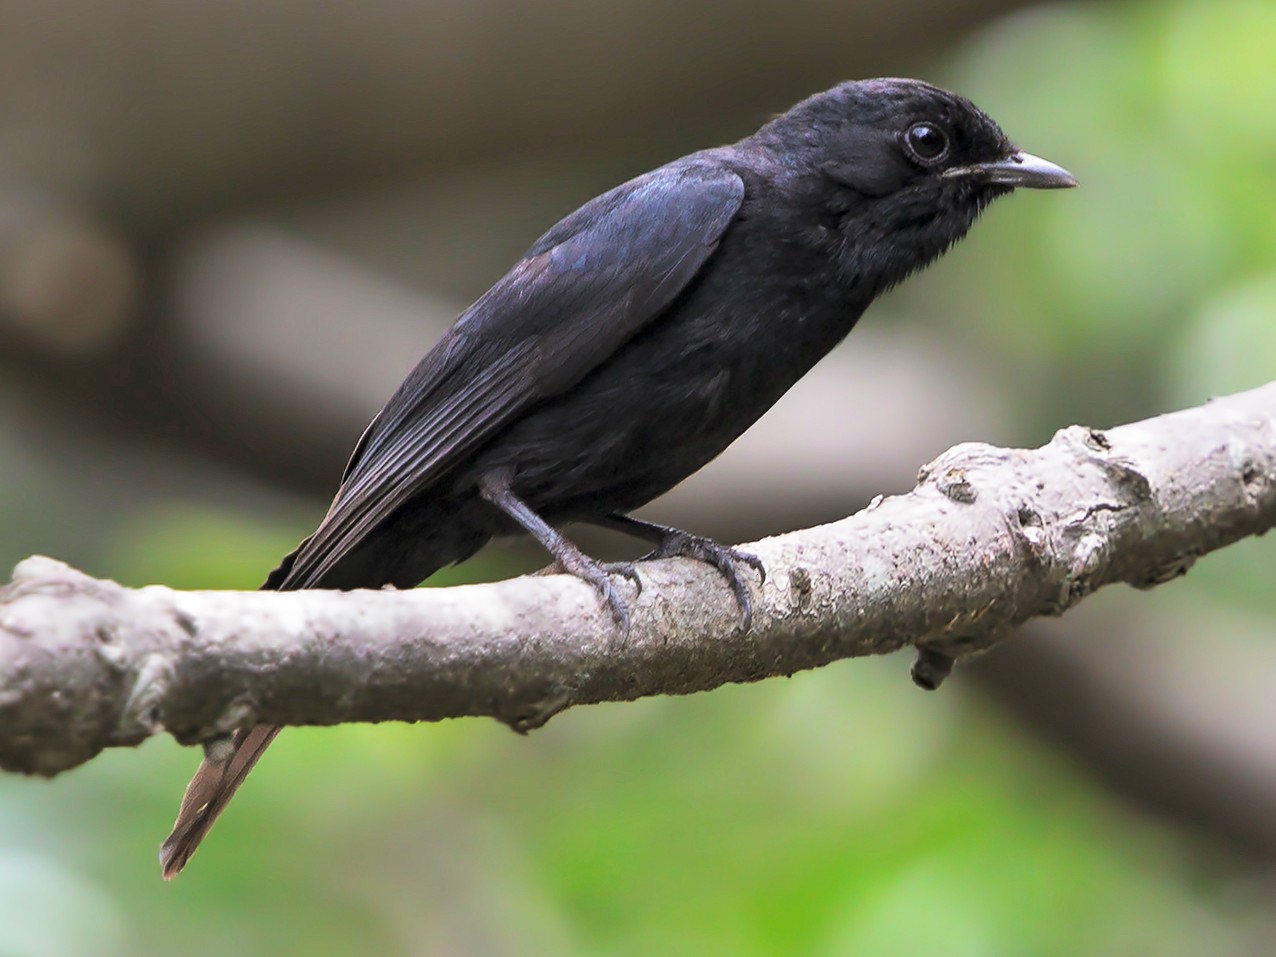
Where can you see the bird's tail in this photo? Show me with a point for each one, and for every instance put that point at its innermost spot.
(219, 776)
(210, 790)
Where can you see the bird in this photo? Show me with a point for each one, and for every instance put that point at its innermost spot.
(632, 343)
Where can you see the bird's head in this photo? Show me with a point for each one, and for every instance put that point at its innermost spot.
(903, 168)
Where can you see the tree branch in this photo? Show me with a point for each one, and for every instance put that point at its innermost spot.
(989, 539)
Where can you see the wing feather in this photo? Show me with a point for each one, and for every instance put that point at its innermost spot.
(583, 290)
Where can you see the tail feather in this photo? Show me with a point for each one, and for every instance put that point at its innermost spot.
(216, 782)
(210, 790)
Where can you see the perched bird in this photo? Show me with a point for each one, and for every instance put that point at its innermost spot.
(634, 342)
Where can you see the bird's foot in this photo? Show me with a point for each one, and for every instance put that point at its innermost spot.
(727, 561)
(599, 575)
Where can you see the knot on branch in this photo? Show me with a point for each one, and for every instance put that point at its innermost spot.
(60, 696)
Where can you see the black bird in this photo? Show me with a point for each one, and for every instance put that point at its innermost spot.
(634, 342)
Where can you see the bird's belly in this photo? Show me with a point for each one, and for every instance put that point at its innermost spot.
(656, 413)
(595, 451)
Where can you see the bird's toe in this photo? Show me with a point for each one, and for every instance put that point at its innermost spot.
(725, 559)
(598, 574)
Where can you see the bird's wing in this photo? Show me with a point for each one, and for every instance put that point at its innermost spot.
(583, 290)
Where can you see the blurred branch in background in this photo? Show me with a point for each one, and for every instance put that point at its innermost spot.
(1181, 727)
(989, 539)
(68, 283)
(161, 112)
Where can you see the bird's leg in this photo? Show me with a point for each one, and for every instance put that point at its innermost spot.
(675, 543)
(567, 556)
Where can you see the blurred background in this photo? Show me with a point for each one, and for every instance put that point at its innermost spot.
(227, 230)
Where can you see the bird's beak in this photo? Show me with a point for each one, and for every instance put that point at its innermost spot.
(1018, 169)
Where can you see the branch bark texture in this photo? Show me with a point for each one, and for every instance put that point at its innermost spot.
(988, 539)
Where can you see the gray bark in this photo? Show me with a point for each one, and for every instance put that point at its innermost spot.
(990, 538)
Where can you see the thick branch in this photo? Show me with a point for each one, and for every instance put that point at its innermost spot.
(988, 539)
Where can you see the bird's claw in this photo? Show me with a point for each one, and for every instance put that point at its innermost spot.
(598, 574)
(725, 559)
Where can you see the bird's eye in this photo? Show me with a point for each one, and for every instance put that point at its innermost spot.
(926, 143)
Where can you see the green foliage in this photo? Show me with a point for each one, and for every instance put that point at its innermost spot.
(1162, 111)
(186, 545)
